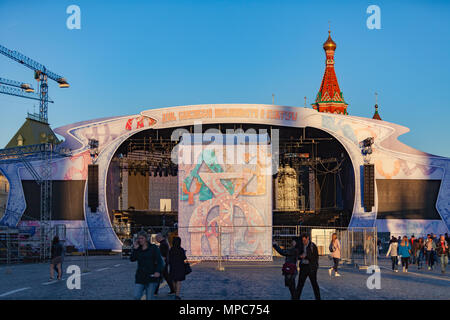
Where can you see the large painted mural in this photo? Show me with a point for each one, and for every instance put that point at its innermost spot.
(224, 205)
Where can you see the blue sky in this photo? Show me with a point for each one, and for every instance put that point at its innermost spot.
(136, 55)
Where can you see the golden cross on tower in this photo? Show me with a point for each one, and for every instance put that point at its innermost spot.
(305, 102)
(376, 98)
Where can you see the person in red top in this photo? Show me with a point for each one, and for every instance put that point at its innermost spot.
(442, 252)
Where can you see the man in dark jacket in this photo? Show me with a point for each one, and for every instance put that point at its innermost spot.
(150, 266)
(164, 249)
(309, 264)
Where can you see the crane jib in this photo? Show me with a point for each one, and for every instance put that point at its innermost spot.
(30, 63)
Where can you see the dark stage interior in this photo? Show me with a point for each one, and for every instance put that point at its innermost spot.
(314, 185)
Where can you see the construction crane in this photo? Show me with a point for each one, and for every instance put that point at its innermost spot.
(19, 89)
(21, 85)
(41, 74)
(43, 152)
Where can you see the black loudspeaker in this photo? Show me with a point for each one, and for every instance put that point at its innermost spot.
(369, 187)
(93, 187)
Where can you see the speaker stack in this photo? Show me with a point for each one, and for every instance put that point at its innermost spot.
(369, 187)
(93, 187)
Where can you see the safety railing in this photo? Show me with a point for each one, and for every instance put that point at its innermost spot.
(220, 244)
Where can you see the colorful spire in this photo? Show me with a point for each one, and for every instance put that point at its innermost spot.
(376, 115)
(330, 98)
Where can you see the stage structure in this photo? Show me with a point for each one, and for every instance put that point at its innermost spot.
(329, 168)
(225, 197)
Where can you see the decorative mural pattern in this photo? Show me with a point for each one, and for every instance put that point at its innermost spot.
(443, 202)
(389, 164)
(225, 210)
(16, 199)
(388, 168)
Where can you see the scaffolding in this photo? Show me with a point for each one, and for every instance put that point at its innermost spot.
(43, 154)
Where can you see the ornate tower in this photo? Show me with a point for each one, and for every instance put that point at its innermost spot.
(330, 98)
(376, 115)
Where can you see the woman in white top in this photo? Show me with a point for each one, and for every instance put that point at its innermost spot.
(393, 251)
(335, 249)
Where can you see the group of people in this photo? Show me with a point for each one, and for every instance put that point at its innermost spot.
(157, 263)
(416, 251)
(304, 254)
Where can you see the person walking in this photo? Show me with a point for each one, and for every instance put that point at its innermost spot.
(149, 266)
(430, 248)
(309, 264)
(405, 252)
(435, 240)
(335, 249)
(177, 265)
(414, 243)
(393, 251)
(164, 249)
(442, 252)
(393, 239)
(56, 258)
(420, 252)
(290, 265)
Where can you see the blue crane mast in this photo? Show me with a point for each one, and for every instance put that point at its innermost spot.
(41, 74)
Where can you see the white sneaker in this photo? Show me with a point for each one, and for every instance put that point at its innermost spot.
(329, 271)
(395, 270)
(406, 270)
(337, 274)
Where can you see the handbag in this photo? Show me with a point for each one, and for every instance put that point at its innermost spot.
(331, 248)
(289, 268)
(187, 268)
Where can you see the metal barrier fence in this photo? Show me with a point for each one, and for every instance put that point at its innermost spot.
(214, 243)
(358, 245)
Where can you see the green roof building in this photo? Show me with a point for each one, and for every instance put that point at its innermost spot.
(33, 132)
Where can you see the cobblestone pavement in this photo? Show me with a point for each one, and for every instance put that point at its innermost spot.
(113, 278)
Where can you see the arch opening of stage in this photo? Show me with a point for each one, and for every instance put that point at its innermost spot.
(314, 183)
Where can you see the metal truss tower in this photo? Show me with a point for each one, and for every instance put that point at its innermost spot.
(44, 153)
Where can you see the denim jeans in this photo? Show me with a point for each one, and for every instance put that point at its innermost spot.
(394, 260)
(420, 257)
(336, 264)
(444, 262)
(430, 260)
(148, 288)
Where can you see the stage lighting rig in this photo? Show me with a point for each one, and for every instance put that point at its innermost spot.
(366, 148)
(93, 149)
